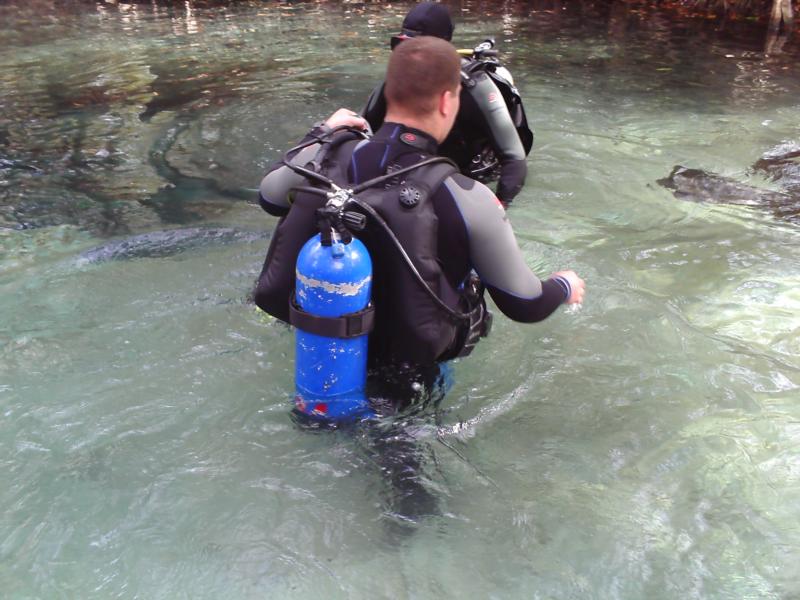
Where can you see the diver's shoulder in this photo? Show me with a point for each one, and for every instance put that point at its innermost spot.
(478, 205)
(468, 187)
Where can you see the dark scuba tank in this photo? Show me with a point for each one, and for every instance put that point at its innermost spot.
(332, 292)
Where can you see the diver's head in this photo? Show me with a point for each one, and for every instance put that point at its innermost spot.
(423, 84)
(426, 18)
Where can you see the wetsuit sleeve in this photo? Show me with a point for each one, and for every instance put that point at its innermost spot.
(375, 110)
(497, 258)
(274, 193)
(500, 125)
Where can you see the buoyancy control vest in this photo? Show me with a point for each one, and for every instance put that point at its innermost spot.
(420, 317)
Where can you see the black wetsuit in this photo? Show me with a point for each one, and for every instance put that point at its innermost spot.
(491, 117)
(473, 229)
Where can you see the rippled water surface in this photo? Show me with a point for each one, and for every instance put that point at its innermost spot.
(644, 446)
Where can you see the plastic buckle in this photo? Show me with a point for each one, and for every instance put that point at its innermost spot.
(354, 324)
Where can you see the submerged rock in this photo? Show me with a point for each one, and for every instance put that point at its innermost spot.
(168, 242)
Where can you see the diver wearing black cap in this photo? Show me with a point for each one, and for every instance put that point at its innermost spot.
(426, 18)
(490, 138)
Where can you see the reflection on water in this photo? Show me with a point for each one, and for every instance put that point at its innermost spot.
(644, 446)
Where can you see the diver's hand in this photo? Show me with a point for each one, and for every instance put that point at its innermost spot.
(576, 284)
(345, 116)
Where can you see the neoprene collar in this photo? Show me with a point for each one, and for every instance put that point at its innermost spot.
(410, 136)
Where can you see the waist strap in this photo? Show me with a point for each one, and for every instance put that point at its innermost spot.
(347, 326)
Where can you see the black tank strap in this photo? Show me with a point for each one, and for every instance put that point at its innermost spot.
(347, 326)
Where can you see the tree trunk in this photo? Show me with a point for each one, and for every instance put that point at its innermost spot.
(776, 38)
(781, 13)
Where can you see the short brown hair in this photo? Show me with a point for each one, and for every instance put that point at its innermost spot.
(420, 69)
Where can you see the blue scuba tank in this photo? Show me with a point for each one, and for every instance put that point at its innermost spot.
(330, 372)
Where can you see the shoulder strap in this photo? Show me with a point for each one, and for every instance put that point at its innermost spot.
(434, 175)
(328, 142)
(336, 160)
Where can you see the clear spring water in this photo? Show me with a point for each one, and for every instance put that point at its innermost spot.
(644, 446)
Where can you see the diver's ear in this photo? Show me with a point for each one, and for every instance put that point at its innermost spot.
(443, 103)
(448, 103)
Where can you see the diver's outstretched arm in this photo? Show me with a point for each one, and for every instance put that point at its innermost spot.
(498, 260)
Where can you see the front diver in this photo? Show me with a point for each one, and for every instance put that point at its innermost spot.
(490, 138)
